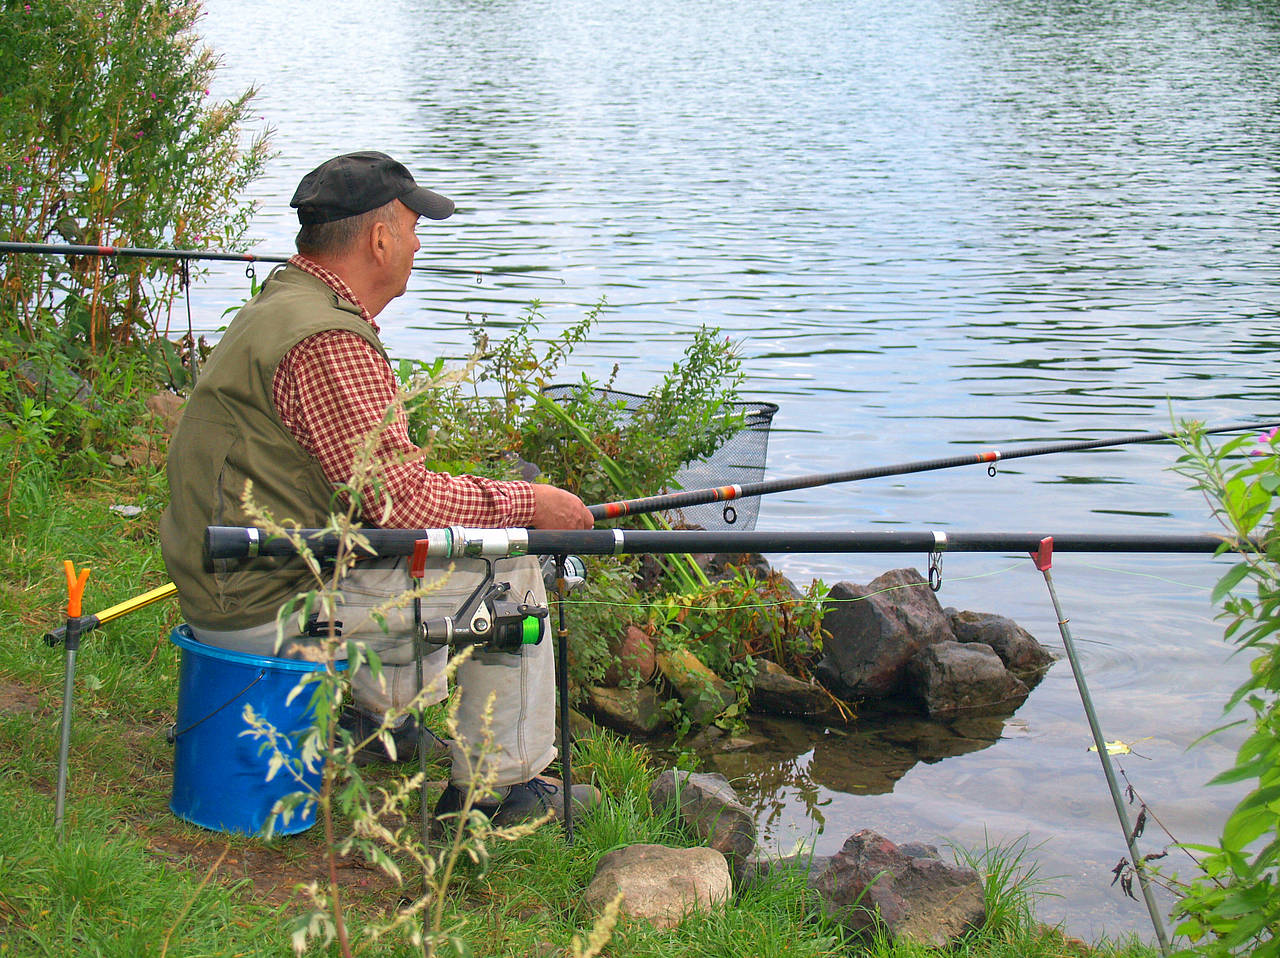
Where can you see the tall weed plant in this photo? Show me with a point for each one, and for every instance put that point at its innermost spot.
(1233, 907)
(109, 136)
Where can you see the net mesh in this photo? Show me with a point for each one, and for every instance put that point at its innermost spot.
(740, 459)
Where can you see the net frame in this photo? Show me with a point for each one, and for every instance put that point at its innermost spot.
(739, 460)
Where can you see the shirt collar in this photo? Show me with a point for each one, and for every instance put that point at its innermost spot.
(334, 282)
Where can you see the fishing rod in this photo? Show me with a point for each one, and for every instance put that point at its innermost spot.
(695, 497)
(241, 542)
(458, 542)
(67, 249)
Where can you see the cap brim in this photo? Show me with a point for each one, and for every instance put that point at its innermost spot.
(428, 204)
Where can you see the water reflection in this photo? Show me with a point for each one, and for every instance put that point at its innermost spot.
(801, 764)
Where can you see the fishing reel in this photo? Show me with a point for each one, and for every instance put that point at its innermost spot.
(489, 618)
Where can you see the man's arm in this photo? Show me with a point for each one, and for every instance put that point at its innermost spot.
(333, 389)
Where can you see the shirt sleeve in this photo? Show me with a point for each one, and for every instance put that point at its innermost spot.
(331, 390)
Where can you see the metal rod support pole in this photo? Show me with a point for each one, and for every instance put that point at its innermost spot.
(1112, 783)
(64, 741)
(562, 680)
(418, 653)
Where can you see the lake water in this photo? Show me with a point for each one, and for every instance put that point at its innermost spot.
(932, 228)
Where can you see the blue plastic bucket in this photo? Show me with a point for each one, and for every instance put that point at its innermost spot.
(220, 776)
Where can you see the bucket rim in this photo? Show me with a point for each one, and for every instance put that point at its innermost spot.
(182, 637)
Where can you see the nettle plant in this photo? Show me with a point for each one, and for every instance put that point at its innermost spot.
(1233, 906)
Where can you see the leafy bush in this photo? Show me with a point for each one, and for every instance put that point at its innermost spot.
(1233, 908)
(741, 616)
(603, 447)
(108, 137)
(599, 613)
(479, 418)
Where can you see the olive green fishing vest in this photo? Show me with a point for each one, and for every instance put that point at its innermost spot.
(229, 432)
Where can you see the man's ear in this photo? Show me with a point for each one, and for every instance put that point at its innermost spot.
(379, 241)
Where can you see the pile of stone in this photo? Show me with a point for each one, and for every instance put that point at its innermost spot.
(905, 892)
(888, 642)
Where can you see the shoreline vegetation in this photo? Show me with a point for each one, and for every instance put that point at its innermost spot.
(114, 111)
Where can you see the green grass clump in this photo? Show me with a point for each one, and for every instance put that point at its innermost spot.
(98, 890)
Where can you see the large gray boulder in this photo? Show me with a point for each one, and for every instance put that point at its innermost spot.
(875, 630)
(658, 883)
(954, 679)
(1018, 649)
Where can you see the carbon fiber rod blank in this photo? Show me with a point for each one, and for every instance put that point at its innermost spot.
(695, 497)
(239, 542)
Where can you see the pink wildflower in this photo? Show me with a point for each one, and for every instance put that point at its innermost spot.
(1265, 441)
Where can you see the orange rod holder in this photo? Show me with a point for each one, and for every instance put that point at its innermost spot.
(90, 622)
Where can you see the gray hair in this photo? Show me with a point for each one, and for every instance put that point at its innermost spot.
(338, 236)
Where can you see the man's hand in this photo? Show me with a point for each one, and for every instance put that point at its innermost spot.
(555, 508)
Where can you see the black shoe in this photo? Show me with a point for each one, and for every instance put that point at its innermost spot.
(520, 803)
(361, 725)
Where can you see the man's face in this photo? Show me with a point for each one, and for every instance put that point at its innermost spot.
(404, 244)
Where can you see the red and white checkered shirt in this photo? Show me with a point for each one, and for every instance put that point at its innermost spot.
(333, 388)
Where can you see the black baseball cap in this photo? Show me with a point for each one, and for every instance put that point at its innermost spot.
(356, 183)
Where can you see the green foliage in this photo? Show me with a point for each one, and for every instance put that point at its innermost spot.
(469, 419)
(741, 616)
(684, 418)
(599, 613)
(108, 136)
(99, 891)
(733, 622)
(55, 420)
(1010, 885)
(478, 418)
(1233, 907)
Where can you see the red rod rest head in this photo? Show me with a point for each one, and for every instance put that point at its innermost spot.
(1044, 555)
(418, 564)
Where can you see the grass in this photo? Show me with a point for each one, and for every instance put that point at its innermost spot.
(127, 878)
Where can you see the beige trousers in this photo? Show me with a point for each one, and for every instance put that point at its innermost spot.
(523, 684)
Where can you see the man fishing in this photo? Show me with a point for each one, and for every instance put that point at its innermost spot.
(299, 381)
